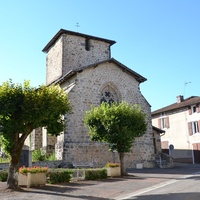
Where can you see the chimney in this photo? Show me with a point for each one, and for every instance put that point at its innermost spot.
(179, 98)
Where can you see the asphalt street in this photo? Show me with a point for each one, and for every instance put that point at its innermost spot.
(183, 185)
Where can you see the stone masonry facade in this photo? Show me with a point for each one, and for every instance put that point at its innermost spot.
(76, 144)
(70, 53)
(82, 65)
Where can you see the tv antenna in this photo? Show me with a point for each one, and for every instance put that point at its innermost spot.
(185, 84)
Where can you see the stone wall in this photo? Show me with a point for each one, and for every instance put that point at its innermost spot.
(54, 62)
(4, 166)
(36, 139)
(76, 146)
(50, 164)
(76, 56)
(69, 53)
(39, 139)
(51, 141)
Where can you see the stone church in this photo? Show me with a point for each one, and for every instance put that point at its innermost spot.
(83, 66)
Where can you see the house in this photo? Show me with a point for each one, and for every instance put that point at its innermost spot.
(83, 66)
(181, 123)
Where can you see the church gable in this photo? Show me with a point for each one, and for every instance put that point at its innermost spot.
(105, 82)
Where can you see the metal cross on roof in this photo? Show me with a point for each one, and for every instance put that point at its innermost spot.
(77, 25)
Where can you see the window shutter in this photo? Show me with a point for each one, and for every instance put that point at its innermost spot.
(199, 126)
(198, 109)
(167, 122)
(190, 128)
(189, 110)
(159, 123)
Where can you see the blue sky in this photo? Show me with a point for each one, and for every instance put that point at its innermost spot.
(159, 39)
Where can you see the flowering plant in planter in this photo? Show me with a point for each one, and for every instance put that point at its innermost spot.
(113, 169)
(112, 165)
(33, 170)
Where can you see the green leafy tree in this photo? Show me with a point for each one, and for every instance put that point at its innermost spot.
(24, 108)
(117, 124)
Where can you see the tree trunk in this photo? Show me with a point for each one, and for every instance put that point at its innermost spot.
(13, 170)
(123, 168)
(15, 154)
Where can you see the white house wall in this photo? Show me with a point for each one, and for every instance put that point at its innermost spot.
(178, 135)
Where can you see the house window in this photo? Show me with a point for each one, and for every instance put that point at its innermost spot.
(163, 122)
(195, 127)
(194, 108)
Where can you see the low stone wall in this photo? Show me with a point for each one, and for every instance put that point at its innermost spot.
(63, 164)
(3, 166)
(49, 164)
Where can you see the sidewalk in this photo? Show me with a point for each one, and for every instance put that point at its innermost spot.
(113, 188)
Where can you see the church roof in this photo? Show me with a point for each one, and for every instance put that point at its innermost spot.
(137, 76)
(63, 31)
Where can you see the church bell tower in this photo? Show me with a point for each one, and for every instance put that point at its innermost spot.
(69, 51)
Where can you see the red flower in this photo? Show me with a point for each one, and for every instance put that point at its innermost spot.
(35, 169)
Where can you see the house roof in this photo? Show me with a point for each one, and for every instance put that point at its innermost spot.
(176, 106)
(137, 76)
(63, 31)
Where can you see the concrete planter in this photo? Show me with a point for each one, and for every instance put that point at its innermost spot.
(113, 171)
(30, 179)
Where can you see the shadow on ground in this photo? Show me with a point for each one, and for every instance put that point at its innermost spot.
(178, 169)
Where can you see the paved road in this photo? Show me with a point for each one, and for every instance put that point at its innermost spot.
(183, 186)
(182, 189)
(143, 184)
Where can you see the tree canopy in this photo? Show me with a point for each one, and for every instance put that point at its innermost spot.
(117, 124)
(24, 108)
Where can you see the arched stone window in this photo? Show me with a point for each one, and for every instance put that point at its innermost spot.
(109, 95)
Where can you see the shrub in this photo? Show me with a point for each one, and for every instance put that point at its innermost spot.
(95, 174)
(59, 176)
(52, 157)
(4, 158)
(3, 175)
(38, 155)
